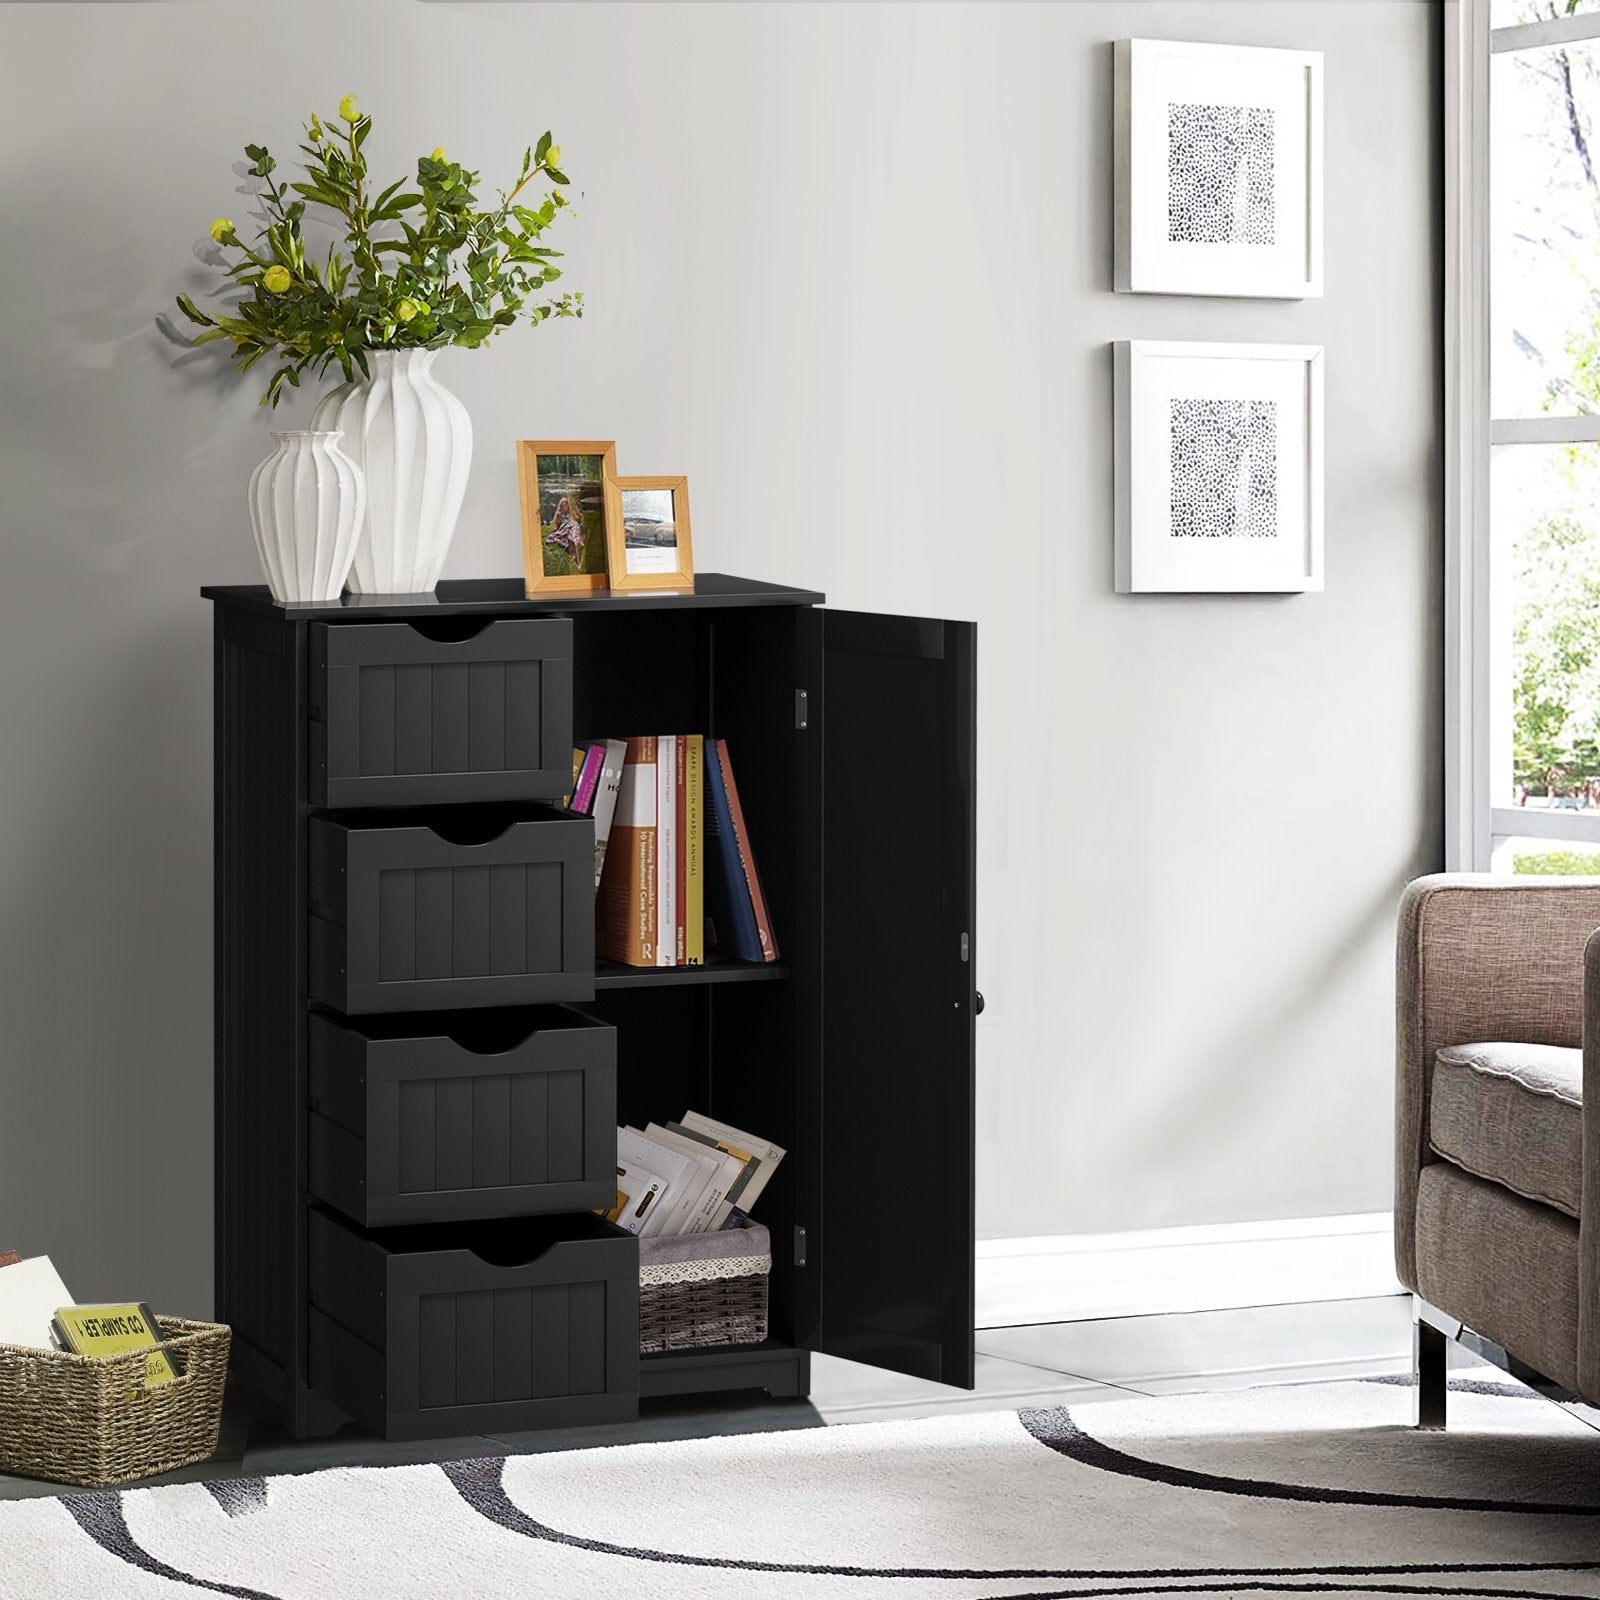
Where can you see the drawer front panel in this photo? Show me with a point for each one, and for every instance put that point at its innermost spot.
(498, 1345)
(403, 719)
(404, 920)
(417, 1341)
(432, 1129)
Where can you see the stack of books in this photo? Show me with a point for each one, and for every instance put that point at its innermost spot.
(37, 1313)
(679, 879)
(692, 1176)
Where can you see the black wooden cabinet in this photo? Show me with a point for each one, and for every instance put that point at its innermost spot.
(420, 1064)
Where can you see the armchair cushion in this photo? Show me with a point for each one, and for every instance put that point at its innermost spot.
(1507, 1267)
(1512, 1113)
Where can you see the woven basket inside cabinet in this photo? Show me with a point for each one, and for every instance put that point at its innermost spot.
(704, 1289)
(89, 1420)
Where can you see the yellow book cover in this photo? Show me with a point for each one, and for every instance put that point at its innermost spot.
(694, 883)
(115, 1331)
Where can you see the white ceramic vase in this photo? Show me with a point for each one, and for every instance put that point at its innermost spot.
(413, 439)
(307, 502)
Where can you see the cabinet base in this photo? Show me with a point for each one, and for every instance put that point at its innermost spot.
(780, 1369)
(784, 1372)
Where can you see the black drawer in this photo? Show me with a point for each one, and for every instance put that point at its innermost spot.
(425, 1333)
(405, 715)
(495, 1114)
(406, 918)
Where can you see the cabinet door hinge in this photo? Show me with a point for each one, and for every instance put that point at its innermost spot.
(800, 708)
(799, 1246)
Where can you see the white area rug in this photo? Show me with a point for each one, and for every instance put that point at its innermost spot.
(1309, 1489)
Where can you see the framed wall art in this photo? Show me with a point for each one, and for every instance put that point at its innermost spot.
(1218, 184)
(649, 532)
(565, 513)
(1218, 461)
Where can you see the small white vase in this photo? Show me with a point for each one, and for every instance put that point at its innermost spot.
(307, 502)
(413, 439)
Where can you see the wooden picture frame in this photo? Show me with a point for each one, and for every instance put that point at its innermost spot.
(582, 547)
(651, 557)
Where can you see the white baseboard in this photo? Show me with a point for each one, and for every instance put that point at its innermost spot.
(1076, 1277)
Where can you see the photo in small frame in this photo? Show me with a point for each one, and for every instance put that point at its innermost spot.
(649, 532)
(566, 512)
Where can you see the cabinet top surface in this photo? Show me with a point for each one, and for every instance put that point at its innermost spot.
(466, 595)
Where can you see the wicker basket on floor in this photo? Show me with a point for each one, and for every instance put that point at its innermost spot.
(90, 1421)
(704, 1289)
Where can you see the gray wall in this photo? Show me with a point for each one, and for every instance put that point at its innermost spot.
(849, 269)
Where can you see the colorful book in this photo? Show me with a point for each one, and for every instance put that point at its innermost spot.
(625, 913)
(680, 887)
(666, 849)
(747, 858)
(605, 801)
(694, 822)
(578, 753)
(730, 912)
(588, 781)
(117, 1330)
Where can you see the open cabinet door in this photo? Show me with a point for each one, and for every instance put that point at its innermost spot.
(892, 726)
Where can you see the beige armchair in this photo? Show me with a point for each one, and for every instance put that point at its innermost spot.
(1497, 1212)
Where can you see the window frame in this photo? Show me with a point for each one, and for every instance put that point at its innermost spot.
(1477, 732)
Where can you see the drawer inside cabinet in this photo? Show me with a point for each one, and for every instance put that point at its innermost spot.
(430, 1332)
(474, 908)
(428, 713)
(473, 1115)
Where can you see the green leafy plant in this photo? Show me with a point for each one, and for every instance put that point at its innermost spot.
(410, 269)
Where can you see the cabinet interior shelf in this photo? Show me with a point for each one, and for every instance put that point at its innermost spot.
(614, 975)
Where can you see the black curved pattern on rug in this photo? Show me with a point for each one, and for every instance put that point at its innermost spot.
(1056, 1429)
(1499, 1389)
(239, 1497)
(100, 1516)
(481, 1484)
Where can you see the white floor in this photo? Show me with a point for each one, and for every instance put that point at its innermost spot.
(1075, 1362)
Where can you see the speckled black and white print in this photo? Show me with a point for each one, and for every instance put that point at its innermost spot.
(1224, 469)
(1219, 174)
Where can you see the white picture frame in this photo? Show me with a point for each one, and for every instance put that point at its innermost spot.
(1218, 157)
(1218, 452)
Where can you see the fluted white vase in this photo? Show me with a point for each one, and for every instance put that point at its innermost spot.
(307, 503)
(413, 439)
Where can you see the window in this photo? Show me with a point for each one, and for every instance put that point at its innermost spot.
(1523, 444)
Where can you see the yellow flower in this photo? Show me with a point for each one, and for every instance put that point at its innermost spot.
(552, 156)
(275, 279)
(222, 230)
(347, 109)
(438, 152)
(407, 309)
(314, 128)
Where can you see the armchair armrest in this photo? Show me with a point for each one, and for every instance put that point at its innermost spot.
(1479, 958)
(1589, 1219)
